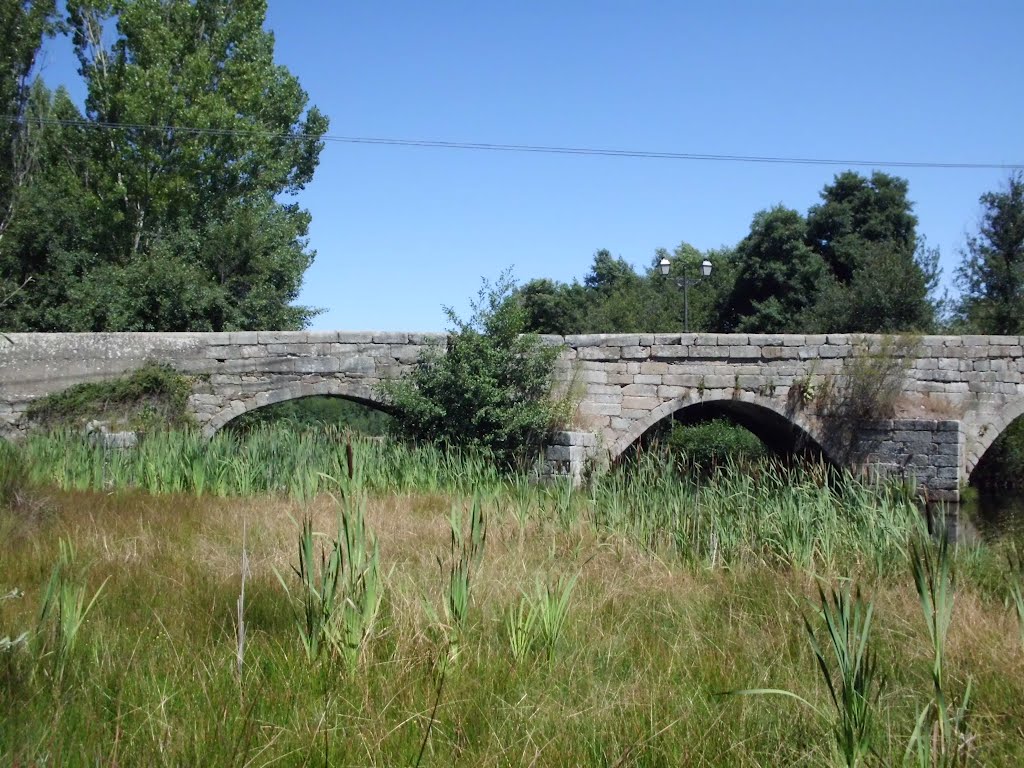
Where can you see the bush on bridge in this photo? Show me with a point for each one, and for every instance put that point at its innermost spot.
(490, 388)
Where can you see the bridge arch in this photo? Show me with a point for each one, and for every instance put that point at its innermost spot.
(359, 393)
(763, 416)
(977, 446)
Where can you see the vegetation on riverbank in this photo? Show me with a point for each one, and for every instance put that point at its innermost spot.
(622, 611)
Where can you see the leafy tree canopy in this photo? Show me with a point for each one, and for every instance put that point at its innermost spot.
(866, 233)
(190, 222)
(991, 273)
(779, 277)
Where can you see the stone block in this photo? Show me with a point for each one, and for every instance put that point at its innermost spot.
(709, 352)
(647, 378)
(359, 366)
(666, 392)
(586, 439)
(638, 390)
(670, 352)
(653, 368)
(648, 403)
(281, 337)
(635, 353)
(682, 380)
(601, 409)
(243, 337)
(384, 337)
(779, 353)
(600, 353)
(744, 353)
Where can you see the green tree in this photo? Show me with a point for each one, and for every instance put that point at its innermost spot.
(865, 231)
(778, 276)
(553, 307)
(23, 25)
(991, 273)
(490, 388)
(175, 218)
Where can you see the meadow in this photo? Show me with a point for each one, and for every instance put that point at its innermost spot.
(310, 598)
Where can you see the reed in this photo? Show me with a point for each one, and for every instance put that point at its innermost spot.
(942, 736)
(850, 672)
(63, 613)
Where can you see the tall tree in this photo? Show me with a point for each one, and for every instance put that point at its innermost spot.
(778, 279)
(553, 307)
(194, 138)
(866, 233)
(991, 274)
(23, 25)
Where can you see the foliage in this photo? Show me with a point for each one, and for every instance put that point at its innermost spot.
(646, 620)
(340, 593)
(854, 682)
(23, 26)
(148, 227)
(713, 444)
(778, 277)
(13, 474)
(871, 381)
(63, 613)
(491, 387)
(615, 298)
(991, 273)
(152, 396)
(942, 736)
(466, 550)
(865, 232)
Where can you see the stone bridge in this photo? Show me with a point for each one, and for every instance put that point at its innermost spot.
(953, 395)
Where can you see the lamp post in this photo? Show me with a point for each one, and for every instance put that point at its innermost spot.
(684, 282)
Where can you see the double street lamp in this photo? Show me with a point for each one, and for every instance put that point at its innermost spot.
(684, 282)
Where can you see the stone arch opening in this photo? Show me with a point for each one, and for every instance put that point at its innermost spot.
(986, 454)
(782, 433)
(361, 395)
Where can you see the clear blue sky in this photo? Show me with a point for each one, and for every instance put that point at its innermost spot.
(401, 231)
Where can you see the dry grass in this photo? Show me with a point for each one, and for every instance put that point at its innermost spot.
(649, 646)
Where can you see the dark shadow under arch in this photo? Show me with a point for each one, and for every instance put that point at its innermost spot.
(997, 466)
(781, 433)
(362, 395)
(978, 451)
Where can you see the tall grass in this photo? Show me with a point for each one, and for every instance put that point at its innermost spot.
(264, 460)
(340, 590)
(850, 672)
(806, 518)
(595, 626)
(942, 737)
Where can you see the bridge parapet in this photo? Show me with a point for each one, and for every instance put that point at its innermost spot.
(626, 382)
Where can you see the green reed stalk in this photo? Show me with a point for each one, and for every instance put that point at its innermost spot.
(941, 736)
(850, 672)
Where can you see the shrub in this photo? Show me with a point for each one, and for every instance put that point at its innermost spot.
(489, 388)
(713, 443)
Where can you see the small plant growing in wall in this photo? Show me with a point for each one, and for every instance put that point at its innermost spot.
(871, 380)
(867, 389)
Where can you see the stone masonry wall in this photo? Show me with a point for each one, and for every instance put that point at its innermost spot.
(928, 452)
(625, 383)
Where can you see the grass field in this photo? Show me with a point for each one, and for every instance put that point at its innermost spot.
(602, 627)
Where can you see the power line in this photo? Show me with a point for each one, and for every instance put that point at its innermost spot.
(531, 148)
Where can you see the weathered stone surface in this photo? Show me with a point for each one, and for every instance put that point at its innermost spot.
(627, 382)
